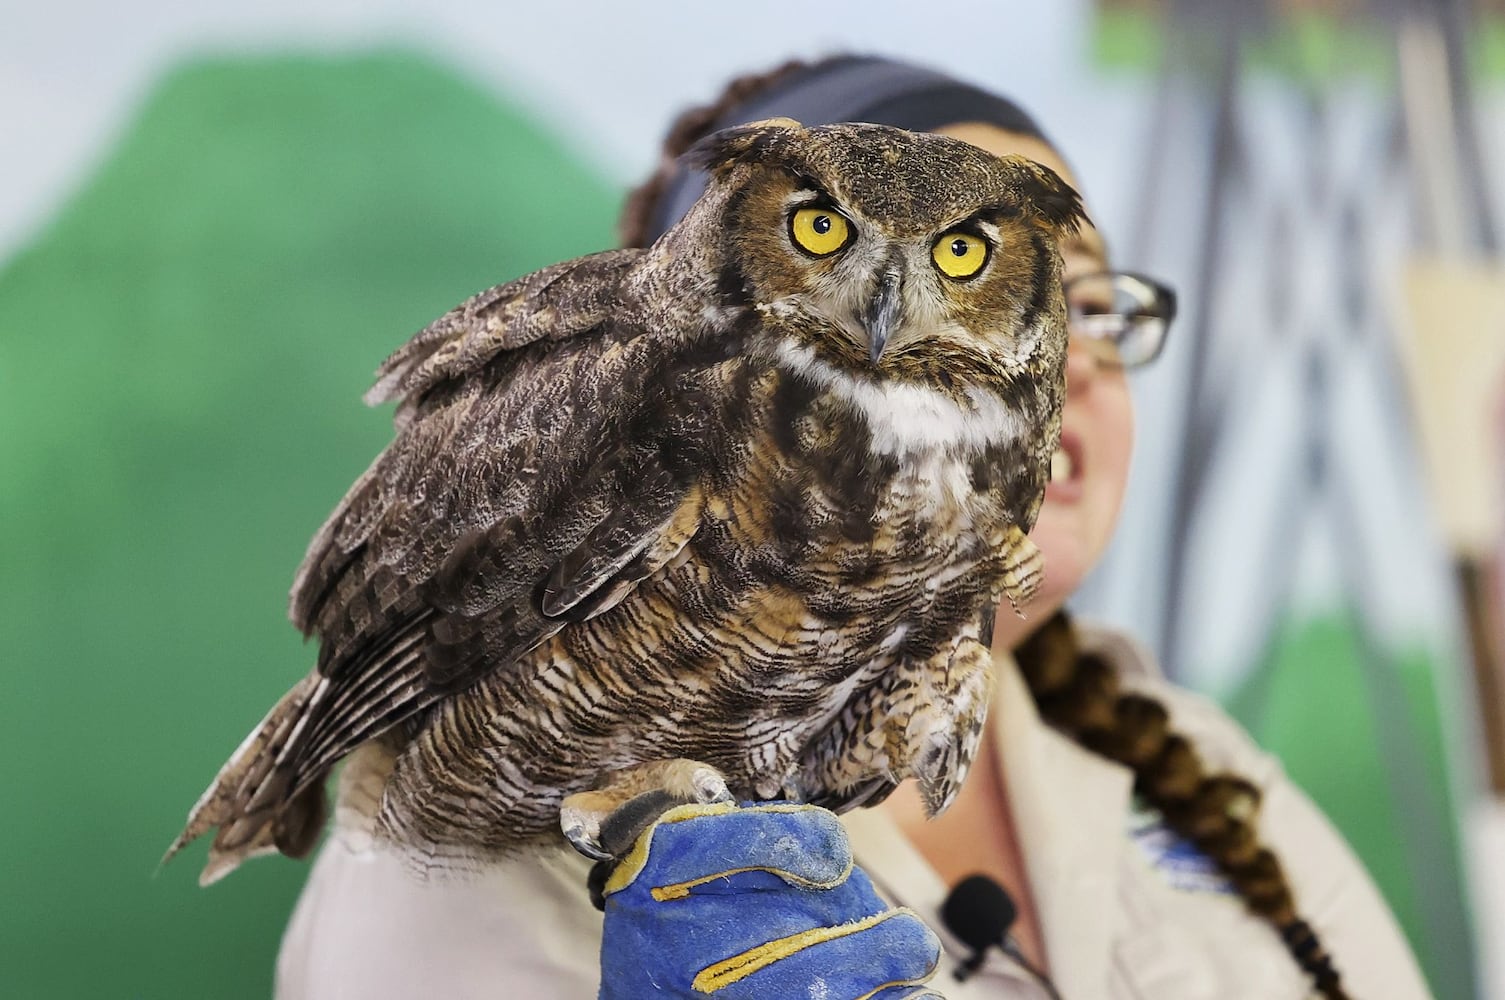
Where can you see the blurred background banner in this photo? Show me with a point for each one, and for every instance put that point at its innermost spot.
(215, 222)
(1320, 470)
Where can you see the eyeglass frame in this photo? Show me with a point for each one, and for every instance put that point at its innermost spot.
(1163, 308)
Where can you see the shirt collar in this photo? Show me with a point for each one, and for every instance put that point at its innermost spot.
(1070, 807)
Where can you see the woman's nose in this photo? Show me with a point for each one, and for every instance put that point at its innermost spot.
(1081, 365)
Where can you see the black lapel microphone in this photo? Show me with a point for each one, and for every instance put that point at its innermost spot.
(979, 912)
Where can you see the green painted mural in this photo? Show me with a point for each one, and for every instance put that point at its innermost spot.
(182, 353)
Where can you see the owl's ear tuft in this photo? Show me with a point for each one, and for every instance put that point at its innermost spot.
(750, 143)
(1048, 198)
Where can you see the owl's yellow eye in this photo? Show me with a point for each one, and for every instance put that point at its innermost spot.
(819, 231)
(960, 255)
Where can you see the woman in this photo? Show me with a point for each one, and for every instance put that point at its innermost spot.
(1150, 848)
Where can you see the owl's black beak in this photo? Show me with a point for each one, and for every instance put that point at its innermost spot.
(883, 311)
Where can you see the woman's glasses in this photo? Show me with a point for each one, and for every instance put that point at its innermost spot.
(1121, 317)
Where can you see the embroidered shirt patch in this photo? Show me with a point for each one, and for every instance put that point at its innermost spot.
(1177, 859)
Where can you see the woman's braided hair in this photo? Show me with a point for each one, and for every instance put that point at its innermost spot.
(1076, 690)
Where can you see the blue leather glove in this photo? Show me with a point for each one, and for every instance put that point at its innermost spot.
(762, 902)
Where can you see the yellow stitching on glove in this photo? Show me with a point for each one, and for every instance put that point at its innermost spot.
(632, 864)
(730, 970)
(679, 890)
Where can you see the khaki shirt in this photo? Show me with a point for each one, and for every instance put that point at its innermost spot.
(1125, 910)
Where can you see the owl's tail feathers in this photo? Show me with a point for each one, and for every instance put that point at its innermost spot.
(252, 800)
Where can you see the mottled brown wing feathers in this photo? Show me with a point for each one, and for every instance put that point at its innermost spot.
(616, 541)
(511, 503)
(373, 702)
(505, 590)
(496, 597)
(544, 305)
(378, 515)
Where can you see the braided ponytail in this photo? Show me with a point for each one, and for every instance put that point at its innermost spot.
(690, 127)
(1077, 692)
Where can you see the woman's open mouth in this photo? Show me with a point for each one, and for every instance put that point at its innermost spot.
(1066, 470)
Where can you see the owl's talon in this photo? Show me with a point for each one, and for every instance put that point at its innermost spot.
(710, 786)
(603, 823)
(581, 839)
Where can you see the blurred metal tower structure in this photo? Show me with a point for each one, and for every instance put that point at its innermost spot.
(1282, 178)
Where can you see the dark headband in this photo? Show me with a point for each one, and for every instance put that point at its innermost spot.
(853, 89)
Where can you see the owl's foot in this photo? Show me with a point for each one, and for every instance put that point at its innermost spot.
(936, 731)
(604, 822)
(924, 721)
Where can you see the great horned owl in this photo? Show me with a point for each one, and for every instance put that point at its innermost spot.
(748, 498)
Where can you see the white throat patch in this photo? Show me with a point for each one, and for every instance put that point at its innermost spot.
(910, 420)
